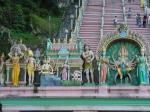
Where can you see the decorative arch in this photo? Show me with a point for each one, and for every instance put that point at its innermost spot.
(131, 36)
(130, 46)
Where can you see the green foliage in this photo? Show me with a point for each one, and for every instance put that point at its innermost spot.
(18, 22)
(27, 37)
(45, 26)
(15, 14)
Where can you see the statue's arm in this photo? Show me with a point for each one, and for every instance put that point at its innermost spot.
(51, 68)
(92, 54)
(10, 55)
(22, 54)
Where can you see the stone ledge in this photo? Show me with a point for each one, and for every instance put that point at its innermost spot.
(77, 92)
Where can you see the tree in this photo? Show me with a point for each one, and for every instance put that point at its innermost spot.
(18, 18)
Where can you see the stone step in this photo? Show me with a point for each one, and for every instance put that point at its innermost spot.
(90, 23)
(92, 19)
(89, 28)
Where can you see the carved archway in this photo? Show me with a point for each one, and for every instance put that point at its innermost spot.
(132, 43)
(132, 36)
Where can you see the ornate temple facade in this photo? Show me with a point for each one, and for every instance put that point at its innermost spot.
(102, 67)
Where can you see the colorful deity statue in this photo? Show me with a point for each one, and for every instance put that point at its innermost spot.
(123, 66)
(15, 57)
(142, 68)
(30, 66)
(47, 75)
(65, 71)
(46, 68)
(87, 57)
(49, 44)
(2, 69)
(103, 67)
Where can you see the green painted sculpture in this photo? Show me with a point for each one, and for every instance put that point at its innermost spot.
(123, 66)
(142, 71)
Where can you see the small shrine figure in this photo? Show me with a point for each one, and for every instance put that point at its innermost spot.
(46, 74)
(87, 57)
(30, 67)
(2, 69)
(49, 44)
(37, 54)
(71, 40)
(15, 66)
(142, 68)
(65, 40)
(58, 40)
(65, 71)
(103, 67)
(54, 40)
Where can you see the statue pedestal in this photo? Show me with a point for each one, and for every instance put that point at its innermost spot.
(143, 91)
(103, 90)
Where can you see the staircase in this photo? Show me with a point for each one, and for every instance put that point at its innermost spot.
(135, 7)
(91, 24)
(113, 8)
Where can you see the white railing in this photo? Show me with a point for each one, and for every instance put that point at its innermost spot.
(102, 25)
(124, 11)
(78, 21)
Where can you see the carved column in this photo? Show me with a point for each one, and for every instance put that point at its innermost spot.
(7, 74)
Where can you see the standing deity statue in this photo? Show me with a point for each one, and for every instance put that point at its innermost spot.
(65, 71)
(2, 69)
(58, 40)
(142, 68)
(103, 67)
(15, 66)
(54, 40)
(30, 66)
(49, 44)
(87, 57)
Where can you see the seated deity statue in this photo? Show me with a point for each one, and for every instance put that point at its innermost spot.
(47, 76)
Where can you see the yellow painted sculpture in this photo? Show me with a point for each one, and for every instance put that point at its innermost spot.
(30, 66)
(15, 67)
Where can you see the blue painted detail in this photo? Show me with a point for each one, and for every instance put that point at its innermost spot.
(63, 52)
(123, 34)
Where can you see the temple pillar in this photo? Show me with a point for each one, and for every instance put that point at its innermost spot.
(8, 74)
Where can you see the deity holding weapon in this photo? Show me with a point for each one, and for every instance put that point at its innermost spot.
(123, 66)
(87, 57)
